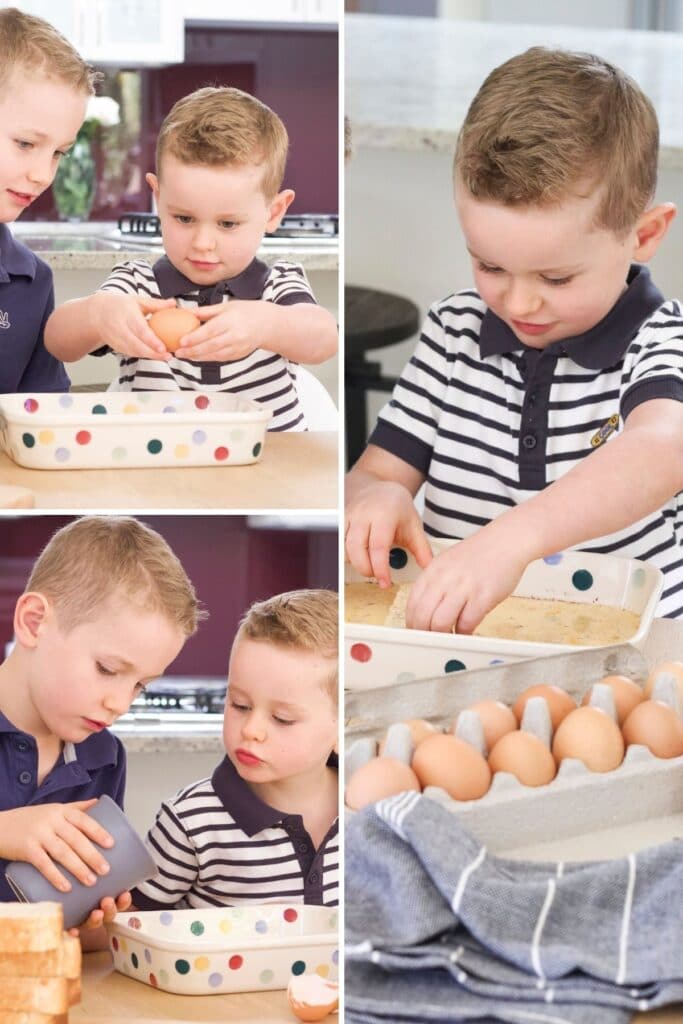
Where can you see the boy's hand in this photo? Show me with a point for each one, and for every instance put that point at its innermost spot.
(121, 324)
(49, 834)
(379, 517)
(232, 330)
(105, 913)
(464, 583)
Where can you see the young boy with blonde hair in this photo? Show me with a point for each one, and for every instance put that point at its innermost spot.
(543, 410)
(44, 89)
(220, 162)
(107, 607)
(263, 827)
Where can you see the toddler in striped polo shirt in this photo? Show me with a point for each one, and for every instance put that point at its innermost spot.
(263, 827)
(543, 410)
(220, 161)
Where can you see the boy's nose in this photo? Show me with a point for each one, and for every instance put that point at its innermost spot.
(521, 299)
(204, 240)
(253, 726)
(42, 171)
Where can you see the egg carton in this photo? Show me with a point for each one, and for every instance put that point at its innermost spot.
(636, 804)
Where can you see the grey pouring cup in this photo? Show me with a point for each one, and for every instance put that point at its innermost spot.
(129, 863)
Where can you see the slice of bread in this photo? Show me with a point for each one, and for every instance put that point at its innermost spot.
(43, 995)
(396, 616)
(30, 927)
(28, 1017)
(62, 962)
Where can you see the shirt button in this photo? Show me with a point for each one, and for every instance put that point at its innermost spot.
(563, 350)
(25, 778)
(529, 441)
(315, 876)
(22, 745)
(303, 848)
(532, 398)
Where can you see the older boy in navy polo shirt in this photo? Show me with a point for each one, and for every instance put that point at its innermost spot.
(565, 350)
(44, 88)
(106, 609)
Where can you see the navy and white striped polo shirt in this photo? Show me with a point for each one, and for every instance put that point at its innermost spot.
(217, 844)
(262, 376)
(490, 422)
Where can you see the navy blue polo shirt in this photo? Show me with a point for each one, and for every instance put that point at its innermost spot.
(83, 771)
(27, 298)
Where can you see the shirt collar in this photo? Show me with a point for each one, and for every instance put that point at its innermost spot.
(597, 348)
(250, 813)
(247, 285)
(15, 257)
(96, 751)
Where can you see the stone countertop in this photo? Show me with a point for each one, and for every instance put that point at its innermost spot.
(154, 734)
(409, 81)
(93, 247)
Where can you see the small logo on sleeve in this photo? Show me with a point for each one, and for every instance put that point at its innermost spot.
(4, 320)
(605, 430)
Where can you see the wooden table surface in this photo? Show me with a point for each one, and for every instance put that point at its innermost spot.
(110, 996)
(297, 470)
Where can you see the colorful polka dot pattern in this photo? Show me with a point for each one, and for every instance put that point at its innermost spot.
(249, 961)
(63, 445)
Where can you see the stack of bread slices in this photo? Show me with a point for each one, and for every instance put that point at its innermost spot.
(40, 964)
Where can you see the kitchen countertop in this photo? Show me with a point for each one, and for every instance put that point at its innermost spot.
(409, 81)
(70, 247)
(139, 735)
(110, 996)
(296, 470)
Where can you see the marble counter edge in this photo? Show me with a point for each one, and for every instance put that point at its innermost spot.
(139, 741)
(310, 259)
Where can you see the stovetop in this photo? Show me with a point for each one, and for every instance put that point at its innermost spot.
(183, 694)
(146, 227)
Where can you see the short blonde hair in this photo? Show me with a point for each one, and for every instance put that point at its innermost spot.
(35, 45)
(547, 120)
(99, 557)
(218, 126)
(305, 620)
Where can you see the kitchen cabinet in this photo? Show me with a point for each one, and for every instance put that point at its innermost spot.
(273, 11)
(120, 32)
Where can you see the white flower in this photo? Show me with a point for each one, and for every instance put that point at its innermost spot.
(104, 110)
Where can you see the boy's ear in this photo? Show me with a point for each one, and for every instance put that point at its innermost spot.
(278, 208)
(650, 230)
(153, 183)
(30, 613)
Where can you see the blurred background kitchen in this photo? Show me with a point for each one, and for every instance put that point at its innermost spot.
(412, 67)
(151, 53)
(173, 732)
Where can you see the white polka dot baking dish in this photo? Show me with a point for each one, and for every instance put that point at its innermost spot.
(229, 949)
(127, 429)
(378, 656)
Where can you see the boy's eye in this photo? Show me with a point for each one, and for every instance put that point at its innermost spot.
(23, 144)
(488, 269)
(283, 721)
(183, 218)
(557, 280)
(238, 707)
(227, 224)
(103, 670)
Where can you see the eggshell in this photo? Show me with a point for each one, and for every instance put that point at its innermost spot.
(626, 695)
(591, 736)
(496, 718)
(525, 756)
(380, 777)
(674, 668)
(420, 729)
(312, 997)
(560, 704)
(657, 727)
(446, 761)
(171, 324)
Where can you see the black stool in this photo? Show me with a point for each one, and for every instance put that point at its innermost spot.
(372, 319)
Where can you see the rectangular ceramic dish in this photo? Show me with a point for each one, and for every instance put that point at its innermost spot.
(228, 949)
(377, 656)
(580, 814)
(126, 429)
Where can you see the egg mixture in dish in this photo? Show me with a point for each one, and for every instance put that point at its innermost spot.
(531, 619)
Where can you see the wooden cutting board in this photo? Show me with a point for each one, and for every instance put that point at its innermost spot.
(16, 497)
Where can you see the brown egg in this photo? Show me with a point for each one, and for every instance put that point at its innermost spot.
(657, 727)
(674, 668)
(171, 324)
(591, 736)
(420, 729)
(451, 763)
(496, 718)
(560, 704)
(626, 695)
(380, 777)
(524, 756)
(312, 997)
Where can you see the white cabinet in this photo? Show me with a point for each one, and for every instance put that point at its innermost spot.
(121, 32)
(254, 11)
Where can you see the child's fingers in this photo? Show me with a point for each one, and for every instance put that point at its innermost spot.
(94, 919)
(208, 312)
(382, 536)
(77, 862)
(149, 305)
(42, 861)
(418, 544)
(124, 901)
(357, 547)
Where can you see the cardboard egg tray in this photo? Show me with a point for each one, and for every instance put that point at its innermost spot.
(580, 814)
